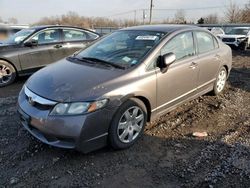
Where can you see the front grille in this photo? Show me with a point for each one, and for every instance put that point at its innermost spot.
(228, 39)
(38, 101)
(38, 105)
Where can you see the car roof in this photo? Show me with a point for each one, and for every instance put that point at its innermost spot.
(40, 27)
(13, 26)
(241, 28)
(167, 28)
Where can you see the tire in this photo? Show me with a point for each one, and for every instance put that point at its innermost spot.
(244, 46)
(123, 135)
(7, 73)
(220, 82)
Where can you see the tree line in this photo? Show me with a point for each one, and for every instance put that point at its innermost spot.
(233, 14)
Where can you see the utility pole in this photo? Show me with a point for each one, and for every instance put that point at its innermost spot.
(143, 16)
(151, 7)
(134, 17)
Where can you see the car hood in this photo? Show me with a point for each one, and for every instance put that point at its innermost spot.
(233, 36)
(66, 81)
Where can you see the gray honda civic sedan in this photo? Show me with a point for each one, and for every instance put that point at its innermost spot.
(107, 92)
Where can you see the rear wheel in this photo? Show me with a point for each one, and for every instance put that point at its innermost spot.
(220, 82)
(128, 124)
(7, 73)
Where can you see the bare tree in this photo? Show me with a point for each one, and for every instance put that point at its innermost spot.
(233, 13)
(104, 22)
(201, 21)
(211, 19)
(72, 18)
(180, 17)
(246, 14)
(12, 20)
(167, 21)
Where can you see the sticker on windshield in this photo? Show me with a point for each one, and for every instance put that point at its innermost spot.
(127, 59)
(148, 37)
(133, 62)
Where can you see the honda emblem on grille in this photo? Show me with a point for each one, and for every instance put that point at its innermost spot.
(31, 101)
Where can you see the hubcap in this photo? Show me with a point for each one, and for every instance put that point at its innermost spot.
(5, 74)
(130, 124)
(221, 80)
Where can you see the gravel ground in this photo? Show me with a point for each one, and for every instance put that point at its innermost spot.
(166, 156)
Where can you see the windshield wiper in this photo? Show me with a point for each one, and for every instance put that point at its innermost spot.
(82, 59)
(102, 61)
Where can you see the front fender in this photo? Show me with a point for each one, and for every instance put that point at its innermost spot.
(13, 60)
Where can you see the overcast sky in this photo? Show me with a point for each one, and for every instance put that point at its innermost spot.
(30, 11)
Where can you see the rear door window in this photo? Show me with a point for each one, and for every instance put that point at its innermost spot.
(205, 41)
(73, 35)
(77, 35)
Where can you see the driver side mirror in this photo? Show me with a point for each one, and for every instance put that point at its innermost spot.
(31, 43)
(165, 61)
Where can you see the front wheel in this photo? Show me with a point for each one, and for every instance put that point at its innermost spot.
(7, 73)
(220, 82)
(244, 46)
(128, 124)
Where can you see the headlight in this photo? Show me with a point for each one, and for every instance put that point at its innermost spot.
(241, 39)
(77, 108)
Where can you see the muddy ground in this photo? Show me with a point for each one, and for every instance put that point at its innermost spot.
(166, 156)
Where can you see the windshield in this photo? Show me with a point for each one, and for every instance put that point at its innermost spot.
(19, 36)
(217, 31)
(239, 31)
(124, 48)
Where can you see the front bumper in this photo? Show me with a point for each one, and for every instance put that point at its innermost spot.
(236, 44)
(82, 132)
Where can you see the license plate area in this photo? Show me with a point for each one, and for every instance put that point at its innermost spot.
(25, 119)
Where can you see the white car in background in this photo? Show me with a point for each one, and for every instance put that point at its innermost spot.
(238, 37)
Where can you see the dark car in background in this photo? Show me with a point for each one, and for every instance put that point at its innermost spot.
(35, 47)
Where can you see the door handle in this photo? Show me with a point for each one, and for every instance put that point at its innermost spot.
(193, 65)
(58, 46)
